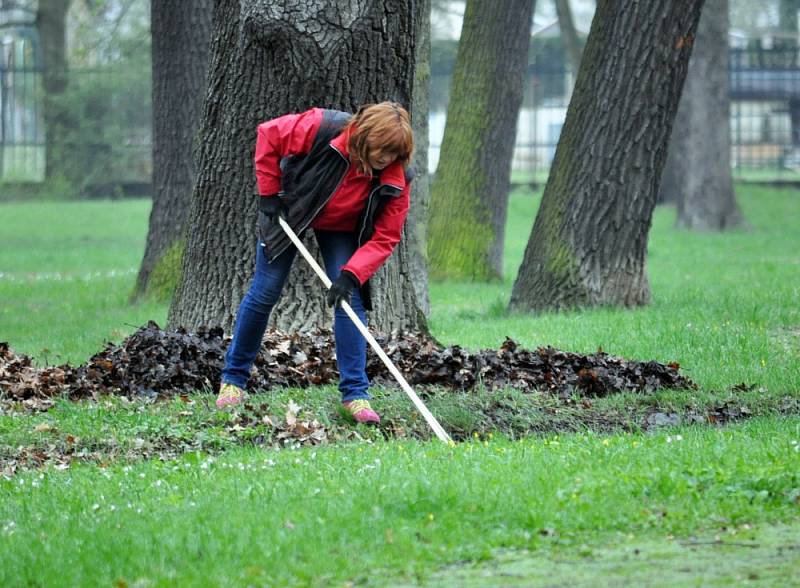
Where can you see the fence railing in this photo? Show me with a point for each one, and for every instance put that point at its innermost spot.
(765, 117)
(104, 126)
(110, 116)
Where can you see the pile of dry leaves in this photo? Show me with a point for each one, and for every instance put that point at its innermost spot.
(153, 362)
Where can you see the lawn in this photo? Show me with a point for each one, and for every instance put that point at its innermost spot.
(387, 513)
(724, 306)
(176, 493)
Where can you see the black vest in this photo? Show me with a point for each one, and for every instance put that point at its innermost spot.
(309, 181)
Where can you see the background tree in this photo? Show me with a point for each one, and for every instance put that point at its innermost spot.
(51, 23)
(268, 59)
(416, 231)
(789, 40)
(589, 241)
(789, 26)
(469, 193)
(698, 176)
(181, 36)
(95, 102)
(569, 33)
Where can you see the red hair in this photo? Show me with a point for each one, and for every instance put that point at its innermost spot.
(384, 127)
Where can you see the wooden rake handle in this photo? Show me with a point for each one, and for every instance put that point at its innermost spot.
(431, 420)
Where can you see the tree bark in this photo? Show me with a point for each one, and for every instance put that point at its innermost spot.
(268, 59)
(416, 234)
(51, 22)
(569, 34)
(469, 193)
(589, 241)
(701, 145)
(181, 36)
(672, 181)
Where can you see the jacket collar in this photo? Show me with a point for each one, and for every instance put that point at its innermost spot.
(341, 141)
(393, 175)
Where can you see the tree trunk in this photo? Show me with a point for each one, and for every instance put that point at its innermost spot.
(569, 34)
(789, 26)
(469, 194)
(787, 18)
(673, 183)
(589, 241)
(268, 59)
(701, 148)
(181, 35)
(416, 226)
(51, 22)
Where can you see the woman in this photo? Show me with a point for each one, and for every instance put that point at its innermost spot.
(345, 177)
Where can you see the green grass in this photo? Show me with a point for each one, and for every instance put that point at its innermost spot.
(320, 516)
(68, 269)
(775, 173)
(117, 429)
(176, 493)
(765, 556)
(725, 306)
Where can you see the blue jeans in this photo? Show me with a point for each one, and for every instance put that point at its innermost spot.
(265, 289)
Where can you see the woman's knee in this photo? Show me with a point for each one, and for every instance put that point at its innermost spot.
(263, 298)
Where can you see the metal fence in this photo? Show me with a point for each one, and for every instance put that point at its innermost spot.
(765, 117)
(106, 131)
(112, 119)
(99, 120)
(765, 113)
(21, 127)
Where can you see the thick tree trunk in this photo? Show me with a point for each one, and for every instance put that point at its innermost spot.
(268, 59)
(469, 194)
(672, 181)
(181, 36)
(569, 34)
(51, 22)
(589, 241)
(416, 226)
(700, 148)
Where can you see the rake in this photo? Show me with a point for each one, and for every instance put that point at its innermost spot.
(429, 418)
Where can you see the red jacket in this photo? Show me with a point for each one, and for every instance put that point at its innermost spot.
(293, 134)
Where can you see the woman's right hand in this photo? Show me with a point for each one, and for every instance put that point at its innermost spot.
(271, 208)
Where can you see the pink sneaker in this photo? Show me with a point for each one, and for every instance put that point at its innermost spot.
(229, 395)
(362, 412)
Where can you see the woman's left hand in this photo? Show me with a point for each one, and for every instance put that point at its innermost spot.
(341, 290)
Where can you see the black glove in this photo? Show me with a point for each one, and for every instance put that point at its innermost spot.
(270, 208)
(341, 289)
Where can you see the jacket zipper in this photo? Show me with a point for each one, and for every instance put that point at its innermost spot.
(366, 216)
(369, 202)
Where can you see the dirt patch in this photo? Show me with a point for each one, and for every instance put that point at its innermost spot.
(788, 338)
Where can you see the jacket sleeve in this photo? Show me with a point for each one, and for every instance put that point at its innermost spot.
(291, 134)
(388, 229)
